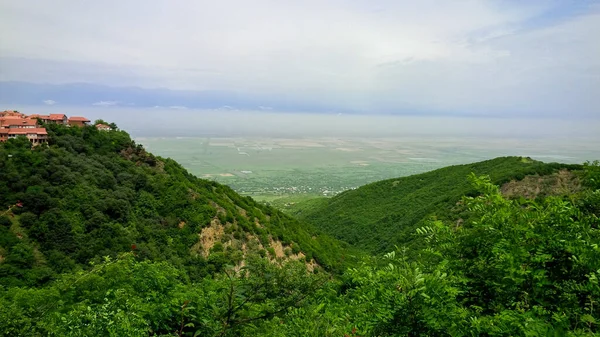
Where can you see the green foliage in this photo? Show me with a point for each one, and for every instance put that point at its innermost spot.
(526, 261)
(18, 143)
(106, 244)
(381, 215)
(591, 174)
(5, 221)
(125, 297)
(515, 268)
(92, 193)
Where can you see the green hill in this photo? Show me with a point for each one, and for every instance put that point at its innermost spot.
(378, 216)
(91, 194)
(100, 238)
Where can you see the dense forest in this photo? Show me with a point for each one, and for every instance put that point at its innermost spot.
(100, 238)
(381, 215)
(91, 194)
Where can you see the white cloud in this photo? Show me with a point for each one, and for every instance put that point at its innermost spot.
(105, 103)
(450, 55)
(49, 102)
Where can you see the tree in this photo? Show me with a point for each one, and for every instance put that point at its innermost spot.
(15, 144)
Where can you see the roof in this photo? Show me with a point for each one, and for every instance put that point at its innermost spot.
(7, 113)
(6, 119)
(18, 121)
(102, 126)
(38, 116)
(78, 119)
(39, 131)
(57, 116)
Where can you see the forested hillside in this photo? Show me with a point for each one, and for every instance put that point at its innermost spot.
(93, 193)
(100, 238)
(379, 216)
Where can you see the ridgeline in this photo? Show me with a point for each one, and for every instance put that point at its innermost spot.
(92, 193)
(381, 215)
(98, 237)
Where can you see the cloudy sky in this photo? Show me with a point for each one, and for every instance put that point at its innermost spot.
(509, 57)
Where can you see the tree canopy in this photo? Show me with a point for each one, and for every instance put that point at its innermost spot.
(100, 238)
(378, 216)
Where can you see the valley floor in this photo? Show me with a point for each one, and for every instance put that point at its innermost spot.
(272, 168)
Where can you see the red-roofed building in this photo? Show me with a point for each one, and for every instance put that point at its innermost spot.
(43, 118)
(11, 117)
(103, 127)
(3, 135)
(14, 123)
(57, 118)
(51, 118)
(11, 113)
(4, 120)
(78, 121)
(35, 135)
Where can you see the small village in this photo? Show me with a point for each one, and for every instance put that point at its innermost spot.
(14, 124)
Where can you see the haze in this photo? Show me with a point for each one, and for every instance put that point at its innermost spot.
(528, 59)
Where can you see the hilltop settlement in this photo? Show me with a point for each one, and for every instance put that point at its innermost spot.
(14, 124)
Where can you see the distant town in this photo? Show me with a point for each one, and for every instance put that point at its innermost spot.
(14, 124)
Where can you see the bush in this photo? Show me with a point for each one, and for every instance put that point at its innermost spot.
(217, 247)
(5, 221)
(27, 219)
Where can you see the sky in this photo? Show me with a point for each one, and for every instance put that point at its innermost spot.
(532, 58)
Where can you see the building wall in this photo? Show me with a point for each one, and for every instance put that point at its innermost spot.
(77, 123)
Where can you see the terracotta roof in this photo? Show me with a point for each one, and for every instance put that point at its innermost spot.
(39, 131)
(78, 119)
(9, 119)
(19, 121)
(4, 131)
(57, 116)
(10, 113)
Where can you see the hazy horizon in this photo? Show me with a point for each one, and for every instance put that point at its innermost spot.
(517, 76)
(532, 59)
(572, 140)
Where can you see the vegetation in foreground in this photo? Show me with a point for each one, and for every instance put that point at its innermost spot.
(512, 267)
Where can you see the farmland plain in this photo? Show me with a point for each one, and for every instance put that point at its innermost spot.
(270, 168)
(271, 154)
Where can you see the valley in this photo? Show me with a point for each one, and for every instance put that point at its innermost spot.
(271, 168)
(99, 236)
(299, 168)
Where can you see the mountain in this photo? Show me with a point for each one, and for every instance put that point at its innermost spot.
(378, 216)
(89, 94)
(91, 194)
(100, 238)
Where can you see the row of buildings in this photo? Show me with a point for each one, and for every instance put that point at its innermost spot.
(14, 124)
